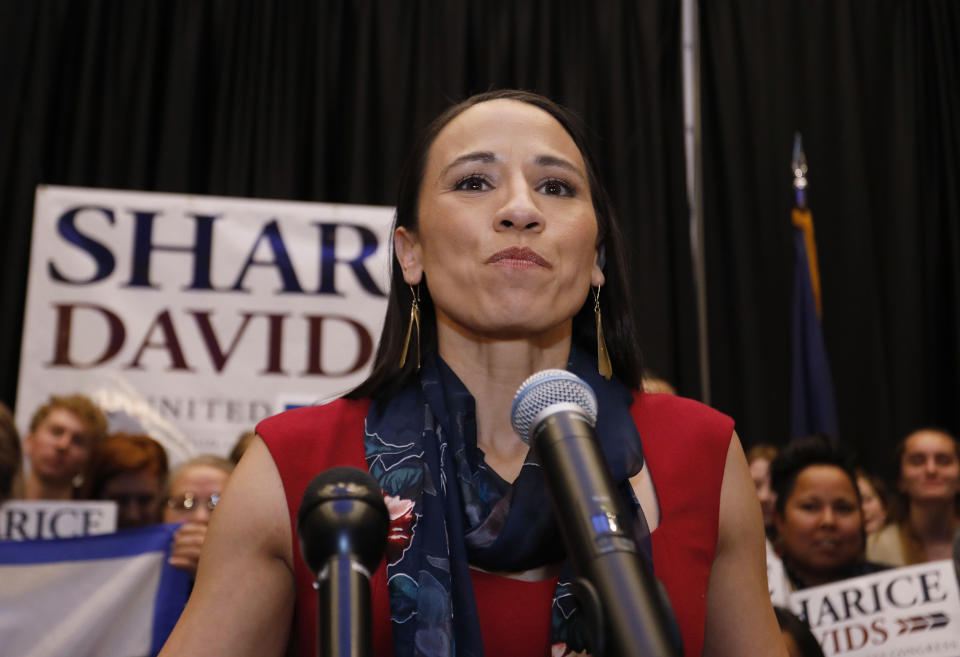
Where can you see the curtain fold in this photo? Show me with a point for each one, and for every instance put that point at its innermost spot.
(321, 101)
(874, 90)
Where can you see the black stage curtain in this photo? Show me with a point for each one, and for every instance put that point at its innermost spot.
(874, 87)
(321, 100)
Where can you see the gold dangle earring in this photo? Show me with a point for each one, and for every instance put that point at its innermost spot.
(414, 321)
(603, 357)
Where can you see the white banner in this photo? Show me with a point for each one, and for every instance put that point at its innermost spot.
(95, 596)
(26, 520)
(894, 613)
(199, 315)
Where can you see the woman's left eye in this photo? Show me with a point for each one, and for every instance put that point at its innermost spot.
(472, 183)
(557, 187)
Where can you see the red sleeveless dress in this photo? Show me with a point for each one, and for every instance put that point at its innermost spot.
(684, 443)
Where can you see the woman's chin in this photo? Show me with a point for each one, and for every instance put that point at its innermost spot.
(512, 323)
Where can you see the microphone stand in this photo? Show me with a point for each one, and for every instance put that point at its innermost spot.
(342, 524)
(343, 609)
(625, 604)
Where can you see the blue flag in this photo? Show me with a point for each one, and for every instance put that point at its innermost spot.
(812, 403)
(112, 595)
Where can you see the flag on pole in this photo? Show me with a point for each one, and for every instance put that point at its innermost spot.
(112, 595)
(812, 402)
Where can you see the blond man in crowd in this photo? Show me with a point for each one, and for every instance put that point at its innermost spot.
(62, 437)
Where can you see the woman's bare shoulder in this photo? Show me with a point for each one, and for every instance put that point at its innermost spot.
(244, 594)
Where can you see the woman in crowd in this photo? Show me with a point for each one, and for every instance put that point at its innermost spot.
(759, 458)
(506, 259)
(131, 470)
(818, 517)
(873, 501)
(929, 482)
(194, 491)
(10, 454)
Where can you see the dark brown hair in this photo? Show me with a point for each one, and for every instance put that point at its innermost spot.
(761, 451)
(801, 453)
(10, 453)
(615, 300)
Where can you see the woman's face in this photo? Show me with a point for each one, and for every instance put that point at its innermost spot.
(821, 524)
(929, 469)
(138, 497)
(874, 515)
(194, 492)
(760, 471)
(507, 231)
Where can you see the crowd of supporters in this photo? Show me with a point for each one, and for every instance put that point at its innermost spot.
(71, 454)
(826, 518)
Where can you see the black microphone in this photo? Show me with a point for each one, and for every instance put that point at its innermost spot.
(342, 524)
(555, 411)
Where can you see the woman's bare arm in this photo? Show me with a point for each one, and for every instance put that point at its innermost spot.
(243, 598)
(740, 619)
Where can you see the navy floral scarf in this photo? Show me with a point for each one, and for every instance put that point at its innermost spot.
(449, 510)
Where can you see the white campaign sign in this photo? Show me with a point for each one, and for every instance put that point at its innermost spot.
(777, 580)
(901, 612)
(199, 315)
(25, 520)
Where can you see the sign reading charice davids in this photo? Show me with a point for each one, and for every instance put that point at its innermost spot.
(199, 315)
(901, 612)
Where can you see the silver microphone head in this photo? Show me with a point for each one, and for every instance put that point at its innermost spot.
(546, 389)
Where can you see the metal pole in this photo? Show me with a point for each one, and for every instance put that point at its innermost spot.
(690, 38)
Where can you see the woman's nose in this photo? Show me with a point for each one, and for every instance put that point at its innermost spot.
(828, 517)
(519, 210)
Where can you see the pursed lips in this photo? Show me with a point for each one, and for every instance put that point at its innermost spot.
(518, 256)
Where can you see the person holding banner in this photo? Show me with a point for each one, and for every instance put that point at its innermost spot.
(10, 454)
(507, 261)
(818, 516)
(131, 470)
(193, 492)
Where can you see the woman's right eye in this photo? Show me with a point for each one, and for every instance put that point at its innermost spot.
(472, 183)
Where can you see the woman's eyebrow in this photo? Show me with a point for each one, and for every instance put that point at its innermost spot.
(540, 160)
(475, 156)
(553, 161)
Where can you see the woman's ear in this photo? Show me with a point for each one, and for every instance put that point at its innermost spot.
(407, 248)
(597, 279)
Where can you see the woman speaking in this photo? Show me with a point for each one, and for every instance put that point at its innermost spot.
(507, 262)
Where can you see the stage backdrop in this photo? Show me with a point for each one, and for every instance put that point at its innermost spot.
(197, 316)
